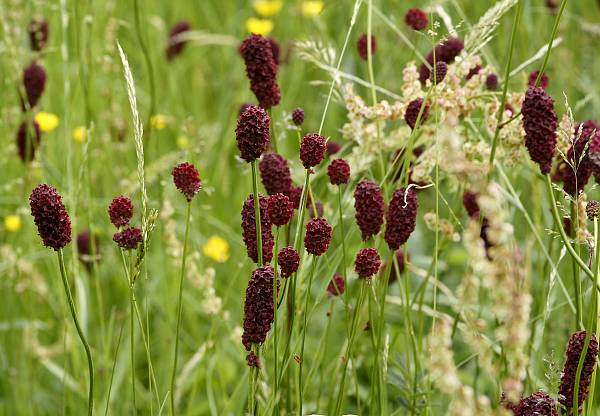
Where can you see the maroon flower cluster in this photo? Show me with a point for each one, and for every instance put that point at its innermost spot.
(318, 236)
(129, 238)
(50, 216)
(401, 217)
(412, 112)
(312, 150)
(280, 209)
(473, 71)
(261, 69)
(34, 80)
(568, 375)
(249, 229)
(295, 194)
(446, 51)
(491, 82)
(416, 19)
(363, 47)
(367, 263)
(38, 33)
(333, 147)
(253, 360)
(298, 116)
(439, 73)
(275, 174)
(258, 307)
(540, 123)
(336, 286)
(275, 49)
(544, 80)
(120, 211)
(538, 404)
(289, 260)
(27, 145)
(187, 180)
(252, 132)
(175, 44)
(338, 172)
(369, 207)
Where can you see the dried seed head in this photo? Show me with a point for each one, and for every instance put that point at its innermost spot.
(289, 260)
(258, 307)
(50, 216)
(412, 112)
(129, 238)
(175, 43)
(252, 132)
(401, 217)
(261, 69)
(280, 209)
(363, 47)
(369, 207)
(540, 123)
(416, 19)
(312, 150)
(275, 174)
(120, 211)
(249, 229)
(338, 171)
(367, 263)
(187, 180)
(318, 236)
(569, 373)
(298, 116)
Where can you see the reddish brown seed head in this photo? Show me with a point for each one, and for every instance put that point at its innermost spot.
(275, 174)
(312, 150)
(176, 43)
(187, 180)
(28, 140)
(440, 71)
(446, 51)
(50, 216)
(298, 116)
(569, 373)
(412, 112)
(473, 71)
(491, 82)
(369, 207)
(416, 19)
(289, 260)
(120, 211)
(280, 209)
(129, 238)
(336, 286)
(258, 307)
(367, 263)
(318, 236)
(338, 172)
(252, 132)
(249, 229)
(253, 360)
(544, 80)
(540, 123)
(537, 404)
(295, 194)
(401, 217)
(261, 69)
(363, 46)
(34, 80)
(470, 203)
(333, 147)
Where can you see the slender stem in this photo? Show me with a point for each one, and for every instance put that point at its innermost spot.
(576, 280)
(63, 274)
(275, 372)
(552, 37)
(594, 308)
(180, 306)
(303, 331)
(257, 213)
(381, 325)
(344, 273)
(132, 345)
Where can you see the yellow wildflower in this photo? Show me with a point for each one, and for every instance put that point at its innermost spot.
(79, 134)
(46, 121)
(217, 249)
(12, 223)
(183, 142)
(267, 7)
(311, 8)
(159, 121)
(259, 26)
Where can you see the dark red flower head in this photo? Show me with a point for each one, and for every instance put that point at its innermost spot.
(538, 404)
(120, 211)
(295, 194)
(491, 82)
(412, 112)
(26, 144)
(318, 236)
(369, 207)
(568, 375)
(338, 171)
(401, 217)
(470, 203)
(333, 147)
(275, 49)
(252, 132)
(280, 209)
(50, 216)
(298, 116)
(446, 51)
(275, 174)
(253, 360)
(363, 47)
(187, 180)
(416, 19)
(336, 286)
(38, 33)
(249, 229)
(367, 263)
(540, 123)
(261, 69)
(88, 248)
(440, 71)
(175, 43)
(544, 81)
(129, 238)
(289, 260)
(312, 150)
(258, 307)
(473, 71)
(34, 80)
(243, 108)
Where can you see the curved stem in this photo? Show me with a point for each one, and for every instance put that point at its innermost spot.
(180, 306)
(88, 353)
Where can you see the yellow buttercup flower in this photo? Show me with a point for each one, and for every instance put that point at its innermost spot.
(311, 8)
(12, 223)
(79, 134)
(46, 121)
(183, 142)
(159, 121)
(267, 7)
(217, 249)
(259, 26)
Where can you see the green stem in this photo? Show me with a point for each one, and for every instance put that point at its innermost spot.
(344, 273)
(552, 37)
(576, 279)
(132, 345)
(257, 213)
(63, 274)
(180, 306)
(275, 372)
(378, 355)
(303, 332)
